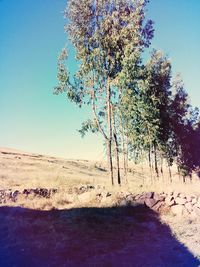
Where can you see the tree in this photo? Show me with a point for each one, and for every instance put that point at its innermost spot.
(108, 36)
(185, 127)
(145, 108)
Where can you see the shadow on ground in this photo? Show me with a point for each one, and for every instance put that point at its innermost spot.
(88, 237)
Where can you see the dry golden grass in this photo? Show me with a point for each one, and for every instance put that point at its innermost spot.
(19, 170)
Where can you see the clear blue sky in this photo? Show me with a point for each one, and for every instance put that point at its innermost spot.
(31, 36)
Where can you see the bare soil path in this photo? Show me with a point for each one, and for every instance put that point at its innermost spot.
(132, 236)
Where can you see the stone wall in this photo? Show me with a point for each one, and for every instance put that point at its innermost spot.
(173, 202)
(12, 196)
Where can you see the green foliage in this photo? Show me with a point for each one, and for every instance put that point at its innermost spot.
(87, 126)
(130, 99)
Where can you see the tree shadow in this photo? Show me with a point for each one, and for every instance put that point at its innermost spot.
(132, 236)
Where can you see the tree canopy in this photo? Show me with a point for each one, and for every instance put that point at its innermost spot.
(136, 107)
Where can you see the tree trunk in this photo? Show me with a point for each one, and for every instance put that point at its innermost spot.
(110, 163)
(149, 157)
(124, 160)
(117, 159)
(110, 135)
(126, 155)
(161, 169)
(116, 148)
(124, 152)
(170, 174)
(156, 163)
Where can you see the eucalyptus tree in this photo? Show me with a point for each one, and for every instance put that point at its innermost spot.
(145, 107)
(108, 35)
(158, 91)
(185, 126)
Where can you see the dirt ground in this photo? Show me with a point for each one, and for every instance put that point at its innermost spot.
(88, 236)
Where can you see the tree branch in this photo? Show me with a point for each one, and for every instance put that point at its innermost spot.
(96, 116)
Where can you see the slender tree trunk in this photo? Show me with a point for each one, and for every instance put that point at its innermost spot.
(179, 174)
(110, 135)
(124, 152)
(155, 159)
(117, 159)
(110, 163)
(161, 169)
(116, 148)
(124, 160)
(149, 157)
(170, 174)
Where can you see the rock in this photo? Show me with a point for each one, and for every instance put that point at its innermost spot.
(15, 193)
(177, 210)
(176, 194)
(102, 194)
(180, 201)
(70, 198)
(105, 194)
(197, 211)
(193, 215)
(82, 189)
(170, 201)
(194, 200)
(163, 194)
(136, 197)
(189, 199)
(141, 201)
(43, 192)
(150, 202)
(85, 197)
(149, 195)
(158, 205)
(189, 207)
(123, 203)
(120, 195)
(185, 212)
(107, 201)
(198, 203)
(158, 197)
(26, 192)
(90, 187)
(129, 198)
(53, 190)
(182, 196)
(99, 195)
(108, 194)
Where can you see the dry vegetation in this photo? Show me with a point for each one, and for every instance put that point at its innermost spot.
(22, 170)
(19, 170)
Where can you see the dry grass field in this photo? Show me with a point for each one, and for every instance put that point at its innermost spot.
(56, 232)
(26, 170)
